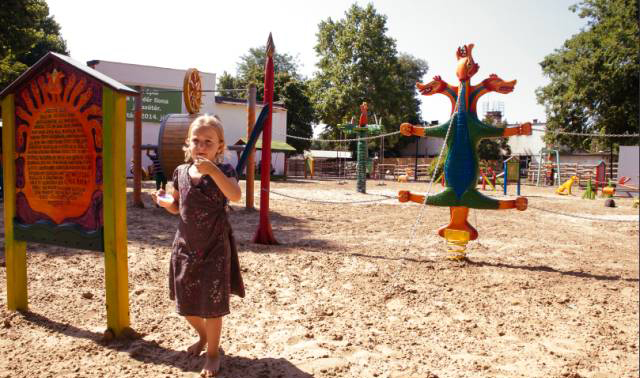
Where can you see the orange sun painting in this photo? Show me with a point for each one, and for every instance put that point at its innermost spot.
(59, 149)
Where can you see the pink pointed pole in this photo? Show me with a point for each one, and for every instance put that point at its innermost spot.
(264, 234)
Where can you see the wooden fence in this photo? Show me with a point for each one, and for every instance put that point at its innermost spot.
(583, 172)
(336, 169)
(392, 168)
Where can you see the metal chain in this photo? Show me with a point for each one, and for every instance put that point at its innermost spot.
(426, 196)
(343, 140)
(203, 90)
(588, 134)
(398, 132)
(332, 202)
(583, 216)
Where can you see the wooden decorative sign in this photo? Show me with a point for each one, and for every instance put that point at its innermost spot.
(63, 156)
(58, 116)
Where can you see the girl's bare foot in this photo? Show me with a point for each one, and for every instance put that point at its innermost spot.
(211, 366)
(197, 347)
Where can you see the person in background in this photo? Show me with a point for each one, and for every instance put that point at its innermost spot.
(158, 174)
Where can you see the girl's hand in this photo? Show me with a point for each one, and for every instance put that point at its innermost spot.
(205, 166)
(154, 195)
(161, 198)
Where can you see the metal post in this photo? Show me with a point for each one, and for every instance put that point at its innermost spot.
(505, 177)
(539, 167)
(415, 170)
(518, 186)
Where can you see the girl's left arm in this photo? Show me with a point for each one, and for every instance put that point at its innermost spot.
(228, 185)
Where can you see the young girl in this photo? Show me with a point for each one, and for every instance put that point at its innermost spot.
(204, 268)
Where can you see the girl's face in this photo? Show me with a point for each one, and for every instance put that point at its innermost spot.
(204, 143)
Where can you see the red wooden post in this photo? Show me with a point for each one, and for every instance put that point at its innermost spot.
(264, 234)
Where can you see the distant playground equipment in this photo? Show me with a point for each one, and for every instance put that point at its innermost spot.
(462, 133)
(565, 188)
(601, 176)
(511, 173)
(552, 169)
(56, 114)
(623, 183)
(589, 192)
(609, 190)
(362, 129)
(407, 175)
(606, 187)
(488, 178)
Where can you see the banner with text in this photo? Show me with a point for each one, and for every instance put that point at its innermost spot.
(156, 103)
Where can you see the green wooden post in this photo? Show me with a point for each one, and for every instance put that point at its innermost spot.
(15, 250)
(115, 220)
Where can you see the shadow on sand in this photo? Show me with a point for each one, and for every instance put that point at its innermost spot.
(541, 268)
(150, 352)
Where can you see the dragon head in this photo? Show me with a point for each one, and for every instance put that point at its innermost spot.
(466, 66)
(496, 84)
(436, 86)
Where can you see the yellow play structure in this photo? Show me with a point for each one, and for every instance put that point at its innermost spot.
(565, 188)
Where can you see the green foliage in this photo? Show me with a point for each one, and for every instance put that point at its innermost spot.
(594, 77)
(289, 88)
(228, 81)
(27, 33)
(495, 149)
(300, 114)
(359, 63)
(251, 65)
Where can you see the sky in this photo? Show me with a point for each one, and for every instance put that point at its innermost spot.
(511, 37)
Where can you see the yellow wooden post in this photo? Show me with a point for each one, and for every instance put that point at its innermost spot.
(15, 250)
(115, 207)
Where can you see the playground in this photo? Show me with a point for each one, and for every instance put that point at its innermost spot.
(356, 289)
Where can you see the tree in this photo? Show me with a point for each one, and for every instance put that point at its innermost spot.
(494, 149)
(228, 81)
(594, 77)
(251, 65)
(27, 33)
(289, 88)
(359, 63)
(300, 115)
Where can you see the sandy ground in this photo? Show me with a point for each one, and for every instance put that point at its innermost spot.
(356, 290)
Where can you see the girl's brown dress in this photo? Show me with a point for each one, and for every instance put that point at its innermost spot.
(204, 268)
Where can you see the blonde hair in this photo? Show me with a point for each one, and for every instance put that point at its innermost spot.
(206, 120)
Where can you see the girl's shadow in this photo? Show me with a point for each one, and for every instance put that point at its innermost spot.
(149, 351)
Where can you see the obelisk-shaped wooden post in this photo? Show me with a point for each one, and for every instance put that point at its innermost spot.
(264, 234)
